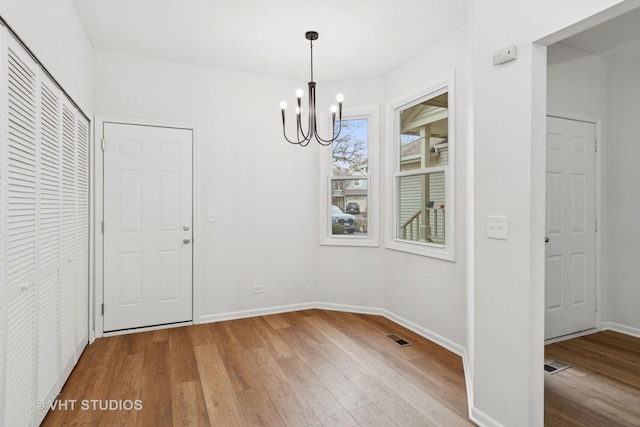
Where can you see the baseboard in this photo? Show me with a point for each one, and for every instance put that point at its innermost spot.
(349, 308)
(233, 315)
(616, 327)
(482, 419)
(426, 333)
(468, 381)
(571, 336)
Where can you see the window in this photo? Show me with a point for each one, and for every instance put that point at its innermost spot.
(421, 215)
(348, 209)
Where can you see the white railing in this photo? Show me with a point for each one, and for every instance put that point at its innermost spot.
(410, 230)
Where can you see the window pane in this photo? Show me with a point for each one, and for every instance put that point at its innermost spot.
(349, 207)
(349, 185)
(351, 151)
(424, 132)
(421, 210)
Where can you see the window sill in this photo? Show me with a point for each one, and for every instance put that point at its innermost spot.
(430, 250)
(365, 242)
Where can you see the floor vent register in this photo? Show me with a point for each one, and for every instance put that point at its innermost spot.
(554, 367)
(400, 341)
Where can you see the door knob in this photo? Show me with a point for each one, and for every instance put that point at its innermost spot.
(186, 240)
(546, 240)
(186, 227)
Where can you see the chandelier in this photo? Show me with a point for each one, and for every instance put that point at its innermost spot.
(303, 138)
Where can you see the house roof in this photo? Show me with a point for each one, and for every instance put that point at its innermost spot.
(413, 148)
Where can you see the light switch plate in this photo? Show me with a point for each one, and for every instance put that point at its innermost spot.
(497, 227)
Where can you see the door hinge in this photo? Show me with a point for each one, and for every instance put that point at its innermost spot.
(596, 225)
(102, 227)
(103, 309)
(596, 305)
(102, 142)
(596, 145)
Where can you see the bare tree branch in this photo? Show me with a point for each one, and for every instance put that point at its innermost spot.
(350, 150)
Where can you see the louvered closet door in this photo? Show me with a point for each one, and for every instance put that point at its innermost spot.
(19, 220)
(82, 233)
(68, 240)
(48, 248)
(44, 237)
(3, 241)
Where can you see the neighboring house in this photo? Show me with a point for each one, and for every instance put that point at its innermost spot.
(422, 196)
(351, 190)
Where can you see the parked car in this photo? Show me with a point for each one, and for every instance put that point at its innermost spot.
(352, 208)
(346, 220)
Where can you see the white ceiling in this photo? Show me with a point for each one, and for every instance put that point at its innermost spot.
(610, 37)
(358, 38)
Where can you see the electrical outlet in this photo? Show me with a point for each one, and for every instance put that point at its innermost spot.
(258, 289)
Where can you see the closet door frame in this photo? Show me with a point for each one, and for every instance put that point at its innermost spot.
(97, 214)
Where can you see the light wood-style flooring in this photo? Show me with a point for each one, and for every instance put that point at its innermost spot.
(602, 387)
(307, 368)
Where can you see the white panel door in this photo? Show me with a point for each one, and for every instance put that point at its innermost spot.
(570, 290)
(147, 226)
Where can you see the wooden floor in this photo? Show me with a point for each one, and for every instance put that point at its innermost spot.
(602, 387)
(308, 368)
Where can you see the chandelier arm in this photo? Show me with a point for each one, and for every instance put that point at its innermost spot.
(300, 131)
(284, 133)
(323, 141)
(302, 142)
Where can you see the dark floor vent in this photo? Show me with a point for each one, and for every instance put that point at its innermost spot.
(554, 366)
(398, 340)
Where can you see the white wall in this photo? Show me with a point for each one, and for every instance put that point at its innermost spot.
(264, 190)
(508, 131)
(623, 293)
(52, 30)
(353, 276)
(576, 82)
(429, 292)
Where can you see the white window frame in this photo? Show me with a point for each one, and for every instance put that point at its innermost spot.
(371, 113)
(444, 251)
